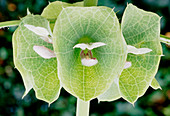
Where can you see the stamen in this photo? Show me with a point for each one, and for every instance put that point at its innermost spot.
(86, 55)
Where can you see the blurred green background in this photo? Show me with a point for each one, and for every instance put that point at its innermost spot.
(153, 103)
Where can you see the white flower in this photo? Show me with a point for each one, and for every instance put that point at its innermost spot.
(137, 51)
(41, 31)
(44, 52)
(86, 53)
(89, 62)
(44, 35)
(133, 50)
(90, 46)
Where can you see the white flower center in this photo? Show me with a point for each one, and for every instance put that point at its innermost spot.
(86, 55)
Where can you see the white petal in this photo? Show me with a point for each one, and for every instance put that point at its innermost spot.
(133, 50)
(44, 52)
(90, 46)
(83, 46)
(96, 45)
(127, 65)
(89, 62)
(37, 30)
(43, 32)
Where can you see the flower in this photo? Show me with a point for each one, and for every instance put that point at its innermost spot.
(44, 35)
(41, 31)
(86, 54)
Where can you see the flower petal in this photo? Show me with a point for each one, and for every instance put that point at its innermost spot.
(83, 46)
(96, 45)
(89, 62)
(134, 50)
(127, 65)
(90, 46)
(44, 52)
(43, 32)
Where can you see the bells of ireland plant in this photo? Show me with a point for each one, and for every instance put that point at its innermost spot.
(87, 52)
(90, 50)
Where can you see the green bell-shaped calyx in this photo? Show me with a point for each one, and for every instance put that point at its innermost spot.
(90, 50)
(52, 11)
(34, 58)
(140, 29)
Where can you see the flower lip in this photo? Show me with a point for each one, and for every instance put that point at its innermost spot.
(41, 31)
(134, 50)
(89, 62)
(44, 52)
(89, 46)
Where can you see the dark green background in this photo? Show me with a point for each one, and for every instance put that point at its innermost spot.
(153, 103)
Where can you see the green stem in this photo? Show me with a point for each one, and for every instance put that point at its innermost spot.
(165, 39)
(82, 108)
(90, 2)
(17, 22)
(9, 23)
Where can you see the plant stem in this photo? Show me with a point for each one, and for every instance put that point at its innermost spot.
(82, 108)
(164, 39)
(17, 22)
(9, 23)
(90, 2)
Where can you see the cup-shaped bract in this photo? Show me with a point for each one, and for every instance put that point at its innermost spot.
(88, 25)
(140, 29)
(52, 11)
(37, 73)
